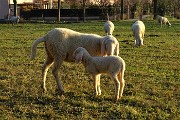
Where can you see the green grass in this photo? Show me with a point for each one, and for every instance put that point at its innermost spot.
(152, 76)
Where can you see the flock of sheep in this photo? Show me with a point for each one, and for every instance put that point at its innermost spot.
(63, 44)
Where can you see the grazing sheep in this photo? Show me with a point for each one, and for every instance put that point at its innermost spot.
(111, 65)
(60, 44)
(14, 20)
(138, 29)
(108, 26)
(163, 21)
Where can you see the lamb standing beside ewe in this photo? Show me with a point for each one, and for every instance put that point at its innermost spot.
(60, 44)
(108, 26)
(138, 29)
(14, 20)
(111, 65)
(163, 21)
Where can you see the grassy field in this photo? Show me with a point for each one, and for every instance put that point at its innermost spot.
(152, 76)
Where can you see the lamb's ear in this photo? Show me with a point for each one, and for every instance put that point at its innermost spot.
(117, 49)
(103, 47)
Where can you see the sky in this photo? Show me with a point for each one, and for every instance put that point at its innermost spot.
(20, 1)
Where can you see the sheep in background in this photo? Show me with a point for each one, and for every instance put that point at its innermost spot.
(138, 29)
(163, 21)
(60, 44)
(108, 26)
(14, 20)
(111, 65)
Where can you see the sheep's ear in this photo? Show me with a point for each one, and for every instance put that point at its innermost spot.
(78, 58)
(117, 49)
(103, 47)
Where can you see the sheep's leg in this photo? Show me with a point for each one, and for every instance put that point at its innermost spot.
(98, 84)
(47, 64)
(57, 64)
(122, 83)
(142, 37)
(95, 78)
(117, 86)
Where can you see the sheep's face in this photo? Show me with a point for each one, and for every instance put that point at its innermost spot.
(110, 47)
(78, 54)
(110, 44)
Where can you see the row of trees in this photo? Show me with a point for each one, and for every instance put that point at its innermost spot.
(131, 8)
(122, 8)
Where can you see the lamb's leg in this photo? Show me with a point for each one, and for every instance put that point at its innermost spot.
(98, 84)
(122, 83)
(47, 64)
(117, 86)
(57, 64)
(95, 80)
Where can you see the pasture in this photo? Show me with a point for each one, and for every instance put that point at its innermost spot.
(152, 76)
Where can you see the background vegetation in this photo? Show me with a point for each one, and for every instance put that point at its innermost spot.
(152, 76)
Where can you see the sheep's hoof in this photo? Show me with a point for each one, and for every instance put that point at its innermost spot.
(59, 92)
(117, 98)
(44, 89)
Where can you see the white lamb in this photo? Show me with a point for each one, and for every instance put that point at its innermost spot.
(14, 19)
(138, 29)
(163, 21)
(111, 65)
(108, 26)
(60, 44)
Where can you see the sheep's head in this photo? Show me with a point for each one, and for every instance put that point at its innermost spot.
(109, 46)
(78, 54)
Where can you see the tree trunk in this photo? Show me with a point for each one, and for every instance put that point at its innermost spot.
(155, 8)
(59, 13)
(84, 10)
(15, 7)
(122, 9)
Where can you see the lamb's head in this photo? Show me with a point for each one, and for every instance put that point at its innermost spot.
(109, 46)
(78, 54)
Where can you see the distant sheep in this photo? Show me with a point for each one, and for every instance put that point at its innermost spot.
(60, 44)
(163, 21)
(111, 65)
(108, 26)
(14, 19)
(138, 29)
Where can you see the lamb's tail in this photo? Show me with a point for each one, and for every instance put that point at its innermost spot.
(34, 47)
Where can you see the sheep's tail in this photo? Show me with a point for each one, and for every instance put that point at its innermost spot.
(123, 69)
(34, 47)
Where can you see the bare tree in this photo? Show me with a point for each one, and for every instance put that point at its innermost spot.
(155, 8)
(84, 10)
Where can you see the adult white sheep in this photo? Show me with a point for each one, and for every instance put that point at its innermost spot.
(111, 65)
(163, 20)
(138, 29)
(14, 20)
(60, 44)
(108, 26)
